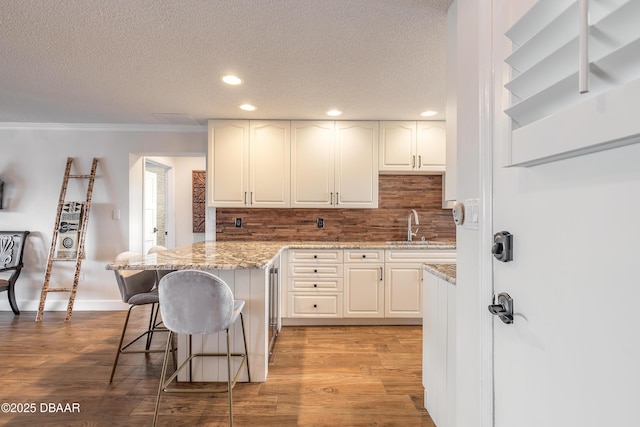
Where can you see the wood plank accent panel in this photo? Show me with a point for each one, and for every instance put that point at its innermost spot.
(397, 195)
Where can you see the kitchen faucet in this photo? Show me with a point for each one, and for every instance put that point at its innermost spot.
(410, 233)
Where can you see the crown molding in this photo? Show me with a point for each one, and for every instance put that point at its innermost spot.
(104, 127)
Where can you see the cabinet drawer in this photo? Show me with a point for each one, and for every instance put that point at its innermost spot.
(422, 255)
(317, 271)
(363, 255)
(316, 256)
(320, 285)
(305, 305)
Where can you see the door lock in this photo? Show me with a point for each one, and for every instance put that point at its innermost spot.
(504, 308)
(503, 246)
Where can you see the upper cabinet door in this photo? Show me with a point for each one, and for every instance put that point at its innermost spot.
(312, 164)
(431, 146)
(356, 163)
(228, 170)
(269, 164)
(397, 146)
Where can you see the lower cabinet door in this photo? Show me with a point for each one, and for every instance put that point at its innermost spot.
(403, 290)
(364, 290)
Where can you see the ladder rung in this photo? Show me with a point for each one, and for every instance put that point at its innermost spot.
(58, 290)
(79, 176)
(64, 259)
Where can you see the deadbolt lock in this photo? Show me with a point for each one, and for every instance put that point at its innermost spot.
(503, 246)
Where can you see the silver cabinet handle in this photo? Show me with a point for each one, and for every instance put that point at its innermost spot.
(381, 274)
(251, 199)
(331, 199)
(245, 198)
(419, 162)
(337, 199)
(413, 161)
(583, 74)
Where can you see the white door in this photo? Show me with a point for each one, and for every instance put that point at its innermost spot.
(571, 356)
(150, 210)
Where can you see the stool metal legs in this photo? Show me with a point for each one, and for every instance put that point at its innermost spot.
(164, 383)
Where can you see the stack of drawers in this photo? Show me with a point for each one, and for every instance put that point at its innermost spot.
(315, 283)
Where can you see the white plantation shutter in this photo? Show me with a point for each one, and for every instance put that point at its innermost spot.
(551, 119)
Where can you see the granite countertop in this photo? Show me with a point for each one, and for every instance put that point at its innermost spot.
(211, 255)
(444, 271)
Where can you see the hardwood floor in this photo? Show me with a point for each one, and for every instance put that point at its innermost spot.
(319, 376)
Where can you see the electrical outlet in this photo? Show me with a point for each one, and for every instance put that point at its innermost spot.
(320, 222)
(238, 222)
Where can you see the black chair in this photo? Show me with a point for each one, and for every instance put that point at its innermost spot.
(11, 251)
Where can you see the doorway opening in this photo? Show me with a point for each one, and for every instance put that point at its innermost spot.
(155, 204)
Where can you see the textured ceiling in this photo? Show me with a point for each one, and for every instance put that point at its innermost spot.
(160, 61)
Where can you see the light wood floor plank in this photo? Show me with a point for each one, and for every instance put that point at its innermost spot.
(319, 376)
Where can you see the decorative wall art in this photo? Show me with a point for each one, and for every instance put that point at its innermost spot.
(199, 201)
(69, 230)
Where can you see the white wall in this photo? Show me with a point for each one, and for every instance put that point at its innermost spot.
(183, 185)
(32, 161)
(469, 299)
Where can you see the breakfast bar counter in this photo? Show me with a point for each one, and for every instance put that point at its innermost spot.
(212, 255)
(247, 267)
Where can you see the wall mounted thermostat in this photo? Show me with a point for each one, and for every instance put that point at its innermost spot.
(458, 213)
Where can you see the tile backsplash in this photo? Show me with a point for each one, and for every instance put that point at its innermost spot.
(397, 195)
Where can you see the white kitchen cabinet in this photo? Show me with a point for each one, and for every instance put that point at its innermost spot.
(249, 163)
(364, 283)
(312, 164)
(314, 283)
(439, 349)
(356, 164)
(228, 169)
(334, 164)
(412, 147)
(403, 290)
(403, 279)
(367, 283)
(270, 164)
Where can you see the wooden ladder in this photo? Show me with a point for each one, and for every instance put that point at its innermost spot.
(71, 248)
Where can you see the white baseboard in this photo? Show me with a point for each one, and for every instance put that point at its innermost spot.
(297, 321)
(61, 305)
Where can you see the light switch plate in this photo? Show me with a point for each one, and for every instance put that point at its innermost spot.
(471, 214)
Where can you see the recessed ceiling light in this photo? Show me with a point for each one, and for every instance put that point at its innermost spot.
(231, 80)
(247, 107)
(428, 113)
(334, 113)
